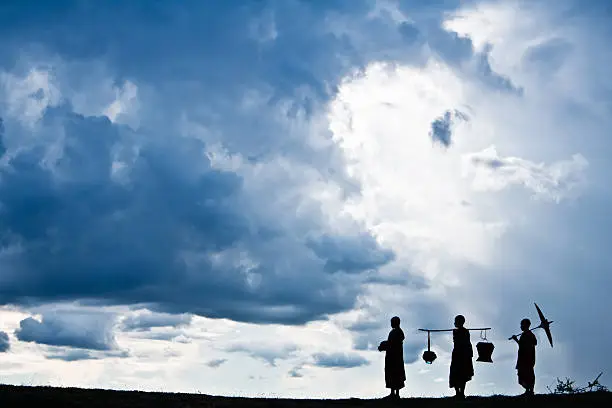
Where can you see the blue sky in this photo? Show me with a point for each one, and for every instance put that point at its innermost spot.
(235, 197)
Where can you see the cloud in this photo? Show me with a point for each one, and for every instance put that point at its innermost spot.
(2, 148)
(5, 344)
(163, 334)
(491, 172)
(83, 330)
(177, 336)
(28, 97)
(441, 127)
(217, 247)
(296, 372)
(269, 354)
(339, 360)
(494, 79)
(70, 355)
(125, 105)
(216, 362)
(350, 254)
(147, 321)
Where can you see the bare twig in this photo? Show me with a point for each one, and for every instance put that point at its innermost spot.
(567, 386)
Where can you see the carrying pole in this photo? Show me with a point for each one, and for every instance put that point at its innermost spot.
(450, 330)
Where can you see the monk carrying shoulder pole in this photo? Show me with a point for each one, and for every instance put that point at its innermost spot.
(484, 348)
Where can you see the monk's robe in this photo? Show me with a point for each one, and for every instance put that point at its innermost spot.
(525, 361)
(395, 376)
(461, 368)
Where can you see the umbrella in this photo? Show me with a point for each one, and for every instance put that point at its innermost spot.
(544, 324)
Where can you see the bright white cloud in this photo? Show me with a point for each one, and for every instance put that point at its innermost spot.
(413, 193)
(490, 172)
(124, 108)
(26, 97)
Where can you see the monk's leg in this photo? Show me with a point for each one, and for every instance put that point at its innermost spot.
(461, 390)
(531, 381)
(526, 376)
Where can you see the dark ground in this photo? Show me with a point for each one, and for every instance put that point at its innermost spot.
(19, 396)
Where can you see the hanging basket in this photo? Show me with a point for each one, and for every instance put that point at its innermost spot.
(429, 356)
(485, 350)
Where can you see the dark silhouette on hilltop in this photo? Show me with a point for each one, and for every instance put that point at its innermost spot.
(21, 396)
(395, 375)
(461, 368)
(525, 361)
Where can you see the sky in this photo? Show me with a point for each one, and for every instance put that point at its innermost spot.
(234, 198)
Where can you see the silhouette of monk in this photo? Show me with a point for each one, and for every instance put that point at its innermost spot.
(525, 361)
(394, 358)
(461, 368)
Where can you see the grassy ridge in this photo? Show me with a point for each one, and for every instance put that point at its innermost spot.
(20, 396)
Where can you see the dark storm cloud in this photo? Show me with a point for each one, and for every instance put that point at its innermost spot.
(349, 254)
(166, 228)
(83, 330)
(339, 360)
(208, 45)
(5, 343)
(314, 45)
(167, 234)
(170, 232)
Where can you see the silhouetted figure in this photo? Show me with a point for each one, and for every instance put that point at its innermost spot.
(525, 361)
(395, 376)
(461, 368)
